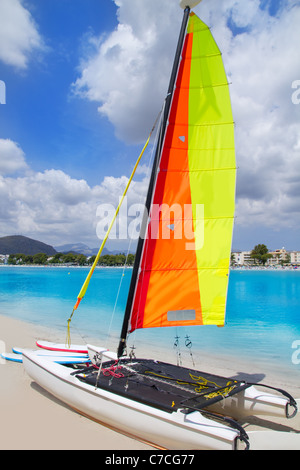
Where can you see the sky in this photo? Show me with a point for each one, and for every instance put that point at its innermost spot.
(81, 84)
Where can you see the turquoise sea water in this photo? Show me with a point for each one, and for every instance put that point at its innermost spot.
(262, 324)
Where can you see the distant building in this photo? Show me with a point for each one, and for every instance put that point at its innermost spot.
(3, 259)
(279, 257)
(295, 257)
(242, 258)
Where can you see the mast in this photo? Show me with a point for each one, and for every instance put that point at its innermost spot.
(130, 298)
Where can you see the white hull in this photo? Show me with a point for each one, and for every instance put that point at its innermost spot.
(166, 430)
(252, 402)
(159, 428)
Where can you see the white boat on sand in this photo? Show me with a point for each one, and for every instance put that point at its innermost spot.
(123, 398)
(178, 280)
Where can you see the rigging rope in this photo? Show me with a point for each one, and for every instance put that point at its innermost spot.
(158, 147)
(189, 344)
(130, 238)
(177, 349)
(86, 282)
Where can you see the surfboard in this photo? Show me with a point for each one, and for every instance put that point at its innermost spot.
(50, 354)
(62, 347)
(60, 359)
(68, 360)
(12, 357)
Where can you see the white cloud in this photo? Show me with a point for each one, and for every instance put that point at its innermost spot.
(12, 157)
(263, 64)
(244, 13)
(129, 70)
(128, 73)
(55, 208)
(19, 36)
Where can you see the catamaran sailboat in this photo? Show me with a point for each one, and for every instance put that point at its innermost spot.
(177, 280)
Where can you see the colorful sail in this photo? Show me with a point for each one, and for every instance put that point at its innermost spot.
(184, 265)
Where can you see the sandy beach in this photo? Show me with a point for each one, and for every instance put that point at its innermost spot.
(32, 419)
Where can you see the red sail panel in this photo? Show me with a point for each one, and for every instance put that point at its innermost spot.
(167, 290)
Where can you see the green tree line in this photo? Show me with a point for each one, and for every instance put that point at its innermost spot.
(70, 259)
(260, 254)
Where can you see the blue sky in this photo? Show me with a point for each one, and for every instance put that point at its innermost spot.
(85, 80)
(55, 128)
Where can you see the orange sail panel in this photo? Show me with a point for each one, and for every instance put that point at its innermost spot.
(183, 273)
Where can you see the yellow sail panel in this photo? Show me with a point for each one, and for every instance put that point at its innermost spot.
(212, 176)
(185, 260)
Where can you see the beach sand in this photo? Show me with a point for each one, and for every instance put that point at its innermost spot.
(32, 419)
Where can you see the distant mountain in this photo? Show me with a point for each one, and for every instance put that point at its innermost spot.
(19, 244)
(80, 248)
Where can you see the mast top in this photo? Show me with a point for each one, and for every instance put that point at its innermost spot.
(189, 3)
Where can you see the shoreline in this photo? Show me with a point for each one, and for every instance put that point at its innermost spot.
(43, 422)
(16, 332)
(232, 268)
